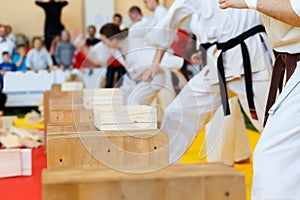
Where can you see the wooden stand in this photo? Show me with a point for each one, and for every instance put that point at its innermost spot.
(86, 147)
(177, 182)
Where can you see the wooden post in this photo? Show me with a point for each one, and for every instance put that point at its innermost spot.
(176, 182)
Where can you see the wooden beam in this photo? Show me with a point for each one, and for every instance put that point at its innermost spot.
(176, 182)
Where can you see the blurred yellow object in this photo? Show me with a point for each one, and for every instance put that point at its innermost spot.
(20, 123)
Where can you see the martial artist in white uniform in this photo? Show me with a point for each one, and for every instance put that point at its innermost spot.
(277, 154)
(136, 55)
(226, 137)
(200, 98)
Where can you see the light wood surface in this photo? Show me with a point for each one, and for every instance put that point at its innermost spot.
(125, 118)
(140, 150)
(176, 182)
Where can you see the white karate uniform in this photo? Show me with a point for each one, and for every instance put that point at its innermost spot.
(226, 137)
(185, 117)
(136, 56)
(277, 154)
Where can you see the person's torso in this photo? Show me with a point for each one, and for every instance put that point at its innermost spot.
(282, 37)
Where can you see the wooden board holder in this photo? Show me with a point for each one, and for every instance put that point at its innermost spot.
(176, 182)
(80, 147)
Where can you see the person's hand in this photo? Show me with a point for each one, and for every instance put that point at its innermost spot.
(196, 58)
(232, 4)
(149, 74)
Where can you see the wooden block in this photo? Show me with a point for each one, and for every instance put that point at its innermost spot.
(176, 182)
(56, 87)
(60, 117)
(10, 141)
(15, 162)
(130, 150)
(125, 118)
(72, 86)
(102, 97)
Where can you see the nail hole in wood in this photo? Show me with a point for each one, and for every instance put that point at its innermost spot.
(60, 160)
(108, 150)
(155, 147)
(227, 194)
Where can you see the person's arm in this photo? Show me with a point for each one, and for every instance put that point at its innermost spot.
(40, 3)
(164, 33)
(287, 11)
(49, 59)
(58, 55)
(28, 63)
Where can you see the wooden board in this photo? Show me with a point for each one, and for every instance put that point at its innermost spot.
(130, 150)
(15, 162)
(176, 182)
(59, 117)
(72, 86)
(102, 97)
(125, 118)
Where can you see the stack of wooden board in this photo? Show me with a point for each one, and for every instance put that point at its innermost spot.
(102, 98)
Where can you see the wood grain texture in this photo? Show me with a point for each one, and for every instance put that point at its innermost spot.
(176, 182)
(102, 97)
(125, 118)
(140, 150)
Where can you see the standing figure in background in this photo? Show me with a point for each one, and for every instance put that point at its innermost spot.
(91, 40)
(118, 20)
(64, 51)
(6, 45)
(53, 25)
(158, 11)
(113, 65)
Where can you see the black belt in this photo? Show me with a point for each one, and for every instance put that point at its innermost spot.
(239, 40)
(203, 48)
(284, 62)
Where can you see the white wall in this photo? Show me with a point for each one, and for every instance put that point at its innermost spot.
(98, 12)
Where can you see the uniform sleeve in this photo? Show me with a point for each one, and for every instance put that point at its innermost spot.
(49, 59)
(165, 31)
(57, 54)
(28, 59)
(296, 6)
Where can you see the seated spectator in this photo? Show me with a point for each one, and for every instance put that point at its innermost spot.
(38, 57)
(6, 45)
(64, 52)
(19, 58)
(92, 40)
(6, 64)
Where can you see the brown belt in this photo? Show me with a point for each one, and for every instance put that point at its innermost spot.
(284, 62)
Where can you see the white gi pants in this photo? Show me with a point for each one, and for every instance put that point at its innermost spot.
(199, 99)
(226, 137)
(277, 154)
